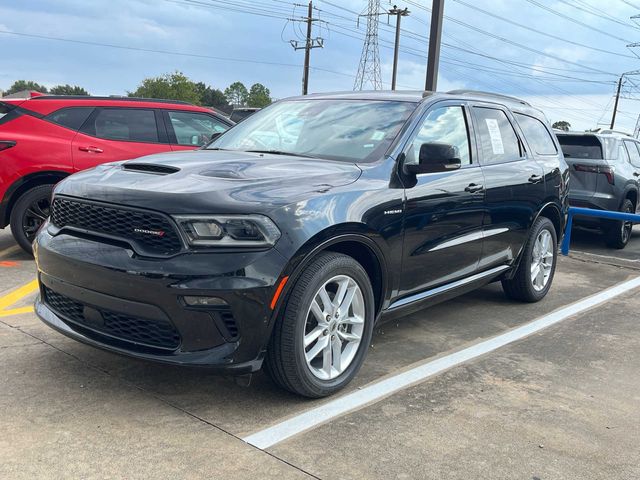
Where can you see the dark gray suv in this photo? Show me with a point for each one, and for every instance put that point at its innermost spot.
(604, 175)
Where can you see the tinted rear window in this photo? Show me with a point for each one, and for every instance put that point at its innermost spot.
(127, 124)
(537, 135)
(581, 146)
(5, 109)
(72, 117)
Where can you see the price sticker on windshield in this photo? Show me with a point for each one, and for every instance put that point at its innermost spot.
(496, 136)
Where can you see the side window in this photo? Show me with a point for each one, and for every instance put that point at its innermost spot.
(634, 154)
(442, 125)
(497, 139)
(537, 135)
(195, 128)
(128, 124)
(72, 117)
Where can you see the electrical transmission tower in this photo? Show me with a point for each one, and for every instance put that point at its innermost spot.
(369, 67)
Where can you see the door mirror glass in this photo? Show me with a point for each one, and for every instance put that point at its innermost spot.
(436, 157)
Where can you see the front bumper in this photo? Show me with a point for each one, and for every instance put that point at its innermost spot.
(105, 296)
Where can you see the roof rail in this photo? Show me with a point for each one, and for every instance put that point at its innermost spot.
(608, 131)
(488, 94)
(112, 97)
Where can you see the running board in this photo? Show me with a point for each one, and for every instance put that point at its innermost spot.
(448, 287)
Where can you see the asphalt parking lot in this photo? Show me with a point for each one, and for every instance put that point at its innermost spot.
(560, 403)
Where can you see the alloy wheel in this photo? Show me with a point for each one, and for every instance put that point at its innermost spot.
(542, 260)
(334, 327)
(35, 215)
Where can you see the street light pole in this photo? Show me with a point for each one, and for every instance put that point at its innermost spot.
(437, 13)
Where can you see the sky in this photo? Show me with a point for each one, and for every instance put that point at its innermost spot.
(563, 56)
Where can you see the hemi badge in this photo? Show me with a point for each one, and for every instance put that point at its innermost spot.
(392, 212)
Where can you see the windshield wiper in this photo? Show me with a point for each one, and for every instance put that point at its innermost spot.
(280, 152)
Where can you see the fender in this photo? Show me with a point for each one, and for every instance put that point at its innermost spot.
(310, 249)
(516, 263)
(33, 179)
(629, 188)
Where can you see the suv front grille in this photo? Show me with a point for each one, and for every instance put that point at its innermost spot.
(127, 328)
(152, 233)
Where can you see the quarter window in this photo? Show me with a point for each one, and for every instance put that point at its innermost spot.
(72, 117)
(195, 128)
(634, 155)
(497, 138)
(442, 125)
(127, 124)
(537, 135)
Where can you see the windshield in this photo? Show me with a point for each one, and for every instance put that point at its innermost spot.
(348, 130)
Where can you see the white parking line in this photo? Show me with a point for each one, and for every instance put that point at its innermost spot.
(375, 392)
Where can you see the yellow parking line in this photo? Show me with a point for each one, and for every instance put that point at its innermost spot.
(17, 295)
(16, 311)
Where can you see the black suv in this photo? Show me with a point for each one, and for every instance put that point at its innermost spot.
(604, 168)
(287, 238)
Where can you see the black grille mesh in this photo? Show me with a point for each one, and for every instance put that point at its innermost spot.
(154, 333)
(150, 232)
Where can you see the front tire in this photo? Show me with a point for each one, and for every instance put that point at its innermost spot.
(537, 267)
(29, 213)
(322, 337)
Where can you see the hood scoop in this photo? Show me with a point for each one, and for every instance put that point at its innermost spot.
(150, 168)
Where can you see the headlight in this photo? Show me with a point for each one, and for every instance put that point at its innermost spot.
(228, 230)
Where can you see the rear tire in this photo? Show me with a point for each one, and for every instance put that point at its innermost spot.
(316, 349)
(537, 267)
(617, 232)
(29, 213)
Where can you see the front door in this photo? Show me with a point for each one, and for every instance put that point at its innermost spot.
(444, 211)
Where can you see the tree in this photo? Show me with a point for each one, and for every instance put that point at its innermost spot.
(170, 86)
(259, 96)
(213, 97)
(68, 90)
(20, 85)
(236, 94)
(562, 125)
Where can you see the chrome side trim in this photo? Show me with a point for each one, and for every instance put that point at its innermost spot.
(469, 238)
(445, 288)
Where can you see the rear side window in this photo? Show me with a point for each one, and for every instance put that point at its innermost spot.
(125, 124)
(634, 154)
(72, 117)
(498, 140)
(195, 128)
(537, 135)
(5, 109)
(581, 146)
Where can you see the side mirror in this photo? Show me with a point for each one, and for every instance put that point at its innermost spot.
(195, 139)
(436, 157)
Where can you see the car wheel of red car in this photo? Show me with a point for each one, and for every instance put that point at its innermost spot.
(29, 213)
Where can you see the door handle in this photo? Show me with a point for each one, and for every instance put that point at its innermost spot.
(535, 178)
(474, 188)
(90, 149)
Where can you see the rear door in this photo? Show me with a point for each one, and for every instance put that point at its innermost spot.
(113, 133)
(514, 183)
(190, 130)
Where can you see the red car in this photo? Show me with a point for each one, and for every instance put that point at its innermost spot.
(45, 138)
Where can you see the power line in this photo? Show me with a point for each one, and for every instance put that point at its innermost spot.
(369, 66)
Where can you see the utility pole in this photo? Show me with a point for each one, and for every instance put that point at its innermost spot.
(399, 13)
(435, 37)
(309, 43)
(615, 105)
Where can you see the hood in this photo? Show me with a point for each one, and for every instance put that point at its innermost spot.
(210, 181)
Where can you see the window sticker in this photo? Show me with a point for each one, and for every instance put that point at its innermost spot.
(377, 135)
(496, 137)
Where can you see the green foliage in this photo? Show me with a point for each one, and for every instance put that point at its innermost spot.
(259, 96)
(237, 94)
(562, 125)
(212, 97)
(20, 85)
(170, 86)
(68, 90)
